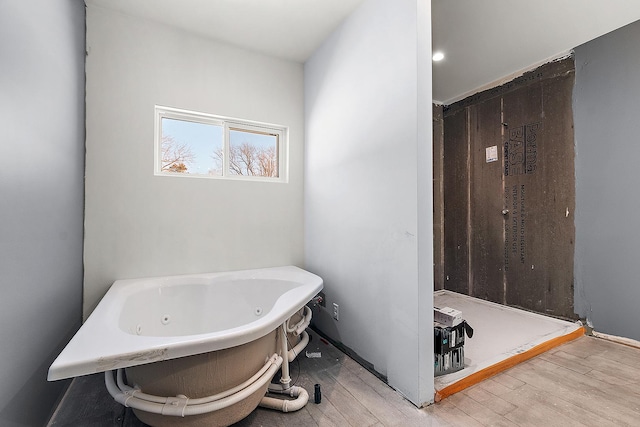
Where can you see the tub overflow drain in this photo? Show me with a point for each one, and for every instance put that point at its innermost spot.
(165, 319)
(258, 311)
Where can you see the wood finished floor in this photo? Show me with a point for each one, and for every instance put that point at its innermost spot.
(587, 382)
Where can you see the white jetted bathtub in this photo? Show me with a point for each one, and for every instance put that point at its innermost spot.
(196, 350)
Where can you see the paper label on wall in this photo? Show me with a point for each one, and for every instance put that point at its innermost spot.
(492, 154)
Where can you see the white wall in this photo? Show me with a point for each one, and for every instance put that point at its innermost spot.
(41, 198)
(138, 224)
(368, 188)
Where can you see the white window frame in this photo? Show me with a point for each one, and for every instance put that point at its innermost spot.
(228, 124)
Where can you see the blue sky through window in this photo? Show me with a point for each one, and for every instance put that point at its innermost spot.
(258, 140)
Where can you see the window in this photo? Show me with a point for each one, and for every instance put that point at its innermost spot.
(202, 145)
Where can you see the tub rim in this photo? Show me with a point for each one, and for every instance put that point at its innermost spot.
(100, 345)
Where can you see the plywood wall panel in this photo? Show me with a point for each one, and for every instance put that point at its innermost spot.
(518, 217)
(456, 202)
(524, 181)
(438, 198)
(486, 202)
(559, 156)
(541, 189)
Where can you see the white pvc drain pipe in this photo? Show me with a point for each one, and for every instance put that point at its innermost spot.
(181, 406)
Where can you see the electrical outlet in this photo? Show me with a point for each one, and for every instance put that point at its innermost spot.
(336, 311)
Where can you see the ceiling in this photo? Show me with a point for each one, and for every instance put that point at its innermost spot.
(484, 41)
(289, 29)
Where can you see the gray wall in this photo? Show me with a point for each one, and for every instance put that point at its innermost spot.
(41, 198)
(138, 224)
(607, 124)
(368, 188)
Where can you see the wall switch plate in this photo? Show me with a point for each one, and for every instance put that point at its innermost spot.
(336, 312)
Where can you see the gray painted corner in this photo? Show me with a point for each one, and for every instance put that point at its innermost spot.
(42, 49)
(606, 112)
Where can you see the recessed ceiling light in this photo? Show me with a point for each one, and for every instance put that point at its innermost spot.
(438, 56)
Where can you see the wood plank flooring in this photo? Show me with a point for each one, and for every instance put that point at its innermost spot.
(587, 382)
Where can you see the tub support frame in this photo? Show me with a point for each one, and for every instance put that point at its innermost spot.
(181, 406)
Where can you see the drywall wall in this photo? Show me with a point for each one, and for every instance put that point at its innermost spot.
(41, 198)
(138, 224)
(368, 188)
(606, 112)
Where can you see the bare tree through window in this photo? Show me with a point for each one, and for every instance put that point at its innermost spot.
(251, 159)
(176, 156)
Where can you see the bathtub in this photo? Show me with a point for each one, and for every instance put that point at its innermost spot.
(175, 336)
